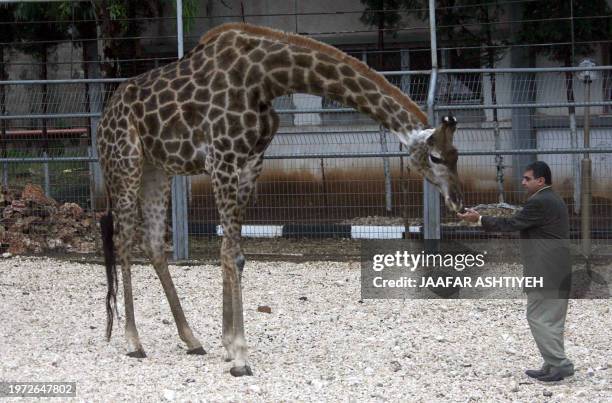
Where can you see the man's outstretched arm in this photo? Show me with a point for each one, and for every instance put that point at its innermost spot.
(531, 215)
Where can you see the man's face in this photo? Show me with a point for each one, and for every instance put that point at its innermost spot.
(532, 184)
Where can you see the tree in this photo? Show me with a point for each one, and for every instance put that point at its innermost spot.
(467, 24)
(41, 29)
(472, 24)
(7, 33)
(566, 25)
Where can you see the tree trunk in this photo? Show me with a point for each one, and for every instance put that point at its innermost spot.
(43, 76)
(3, 77)
(381, 39)
(569, 92)
(499, 159)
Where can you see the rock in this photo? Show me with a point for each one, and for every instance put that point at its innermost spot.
(547, 393)
(303, 299)
(395, 366)
(316, 384)
(169, 395)
(264, 309)
(7, 255)
(54, 243)
(23, 224)
(602, 367)
(18, 206)
(71, 210)
(590, 372)
(189, 380)
(18, 243)
(165, 321)
(35, 194)
(511, 351)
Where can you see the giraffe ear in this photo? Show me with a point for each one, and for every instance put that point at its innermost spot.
(402, 137)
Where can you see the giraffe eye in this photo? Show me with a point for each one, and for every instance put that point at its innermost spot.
(435, 160)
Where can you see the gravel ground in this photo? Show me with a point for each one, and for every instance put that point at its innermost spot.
(329, 347)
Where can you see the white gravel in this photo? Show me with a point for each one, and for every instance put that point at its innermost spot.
(330, 347)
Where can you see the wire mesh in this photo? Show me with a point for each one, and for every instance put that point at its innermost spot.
(499, 109)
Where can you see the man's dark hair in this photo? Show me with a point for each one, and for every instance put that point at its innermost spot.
(540, 170)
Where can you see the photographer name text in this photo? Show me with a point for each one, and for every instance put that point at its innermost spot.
(465, 282)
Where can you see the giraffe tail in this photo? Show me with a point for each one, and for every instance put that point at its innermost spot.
(106, 226)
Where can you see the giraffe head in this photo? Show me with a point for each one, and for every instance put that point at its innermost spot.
(432, 154)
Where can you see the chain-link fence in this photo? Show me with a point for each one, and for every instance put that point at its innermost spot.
(329, 172)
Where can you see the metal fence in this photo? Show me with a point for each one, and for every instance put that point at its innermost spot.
(331, 172)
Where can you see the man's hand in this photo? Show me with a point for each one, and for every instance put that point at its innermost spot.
(470, 215)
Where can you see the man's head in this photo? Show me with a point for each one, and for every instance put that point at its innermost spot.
(536, 176)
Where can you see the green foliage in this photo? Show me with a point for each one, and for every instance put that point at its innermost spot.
(52, 30)
(472, 24)
(385, 14)
(7, 14)
(190, 12)
(549, 22)
(461, 23)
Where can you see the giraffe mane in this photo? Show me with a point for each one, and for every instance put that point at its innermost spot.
(329, 50)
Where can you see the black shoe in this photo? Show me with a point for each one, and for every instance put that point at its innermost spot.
(536, 373)
(554, 376)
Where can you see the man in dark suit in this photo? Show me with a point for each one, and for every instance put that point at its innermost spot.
(544, 230)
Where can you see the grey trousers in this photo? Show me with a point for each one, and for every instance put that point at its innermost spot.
(546, 317)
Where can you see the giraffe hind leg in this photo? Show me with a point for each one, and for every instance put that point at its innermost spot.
(125, 208)
(154, 206)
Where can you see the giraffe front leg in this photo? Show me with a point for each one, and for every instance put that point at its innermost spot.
(228, 318)
(233, 320)
(226, 195)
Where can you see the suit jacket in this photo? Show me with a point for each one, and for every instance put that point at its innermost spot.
(544, 230)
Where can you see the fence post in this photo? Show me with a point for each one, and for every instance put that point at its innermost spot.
(180, 225)
(383, 147)
(47, 180)
(431, 195)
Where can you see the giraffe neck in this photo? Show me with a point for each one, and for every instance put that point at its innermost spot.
(271, 64)
(318, 74)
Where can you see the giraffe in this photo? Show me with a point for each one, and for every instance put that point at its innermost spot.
(210, 112)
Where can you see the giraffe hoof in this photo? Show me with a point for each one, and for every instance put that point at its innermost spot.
(137, 354)
(197, 351)
(241, 371)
